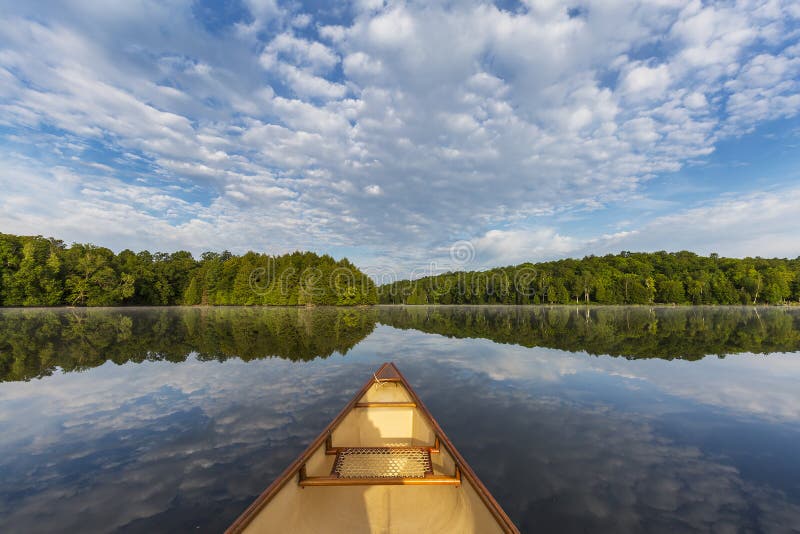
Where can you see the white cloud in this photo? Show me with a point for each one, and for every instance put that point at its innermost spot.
(506, 247)
(300, 64)
(359, 65)
(373, 190)
(647, 82)
(393, 28)
(467, 118)
(764, 224)
(302, 20)
(306, 84)
(695, 101)
(264, 11)
(767, 87)
(300, 52)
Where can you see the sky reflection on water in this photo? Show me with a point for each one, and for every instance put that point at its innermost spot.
(566, 441)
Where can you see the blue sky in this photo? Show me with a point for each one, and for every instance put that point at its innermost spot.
(392, 132)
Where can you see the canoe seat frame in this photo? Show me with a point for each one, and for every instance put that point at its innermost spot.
(334, 479)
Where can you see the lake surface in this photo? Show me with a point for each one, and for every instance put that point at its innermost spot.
(614, 419)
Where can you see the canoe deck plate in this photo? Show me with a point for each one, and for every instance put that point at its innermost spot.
(382, 462)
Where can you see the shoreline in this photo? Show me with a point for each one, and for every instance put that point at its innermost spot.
(789, 305)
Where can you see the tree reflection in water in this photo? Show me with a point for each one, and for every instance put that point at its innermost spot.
(587, 444)
(629, 331)
(34, 343)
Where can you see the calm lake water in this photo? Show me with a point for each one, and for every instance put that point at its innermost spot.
(609, 419)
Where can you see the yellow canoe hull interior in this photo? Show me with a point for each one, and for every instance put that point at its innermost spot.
(382, 465)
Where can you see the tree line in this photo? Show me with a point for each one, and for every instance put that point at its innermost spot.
(625, 278)
(39, 271)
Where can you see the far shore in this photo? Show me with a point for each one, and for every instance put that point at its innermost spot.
(367, 306)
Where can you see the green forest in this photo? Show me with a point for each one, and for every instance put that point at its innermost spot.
(625, 278)
(39, 271)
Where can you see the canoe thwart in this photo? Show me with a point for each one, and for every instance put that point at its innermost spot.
(436, 480)
(386, 405)
(331, 450)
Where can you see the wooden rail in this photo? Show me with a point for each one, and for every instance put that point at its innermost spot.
(331, 450)
(428, 480)
(386, 405)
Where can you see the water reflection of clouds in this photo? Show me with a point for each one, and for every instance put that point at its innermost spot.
(124, 444)
(161, 446)
(576, 466)
(581, 464)
(759, 385)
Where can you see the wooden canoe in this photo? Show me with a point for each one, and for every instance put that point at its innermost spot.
(382, 465)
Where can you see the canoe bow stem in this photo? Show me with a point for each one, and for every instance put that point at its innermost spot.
(378, 380)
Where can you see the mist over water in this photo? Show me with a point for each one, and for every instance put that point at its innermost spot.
(614, 419)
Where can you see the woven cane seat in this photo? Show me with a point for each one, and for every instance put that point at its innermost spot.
(382, 462)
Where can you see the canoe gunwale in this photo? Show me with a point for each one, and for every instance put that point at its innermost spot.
(298, 465)
(461, 464)
(294, 468)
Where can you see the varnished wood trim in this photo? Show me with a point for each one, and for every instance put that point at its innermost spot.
(388, 371)
(386, 405)
(430, 448)
(433, 480)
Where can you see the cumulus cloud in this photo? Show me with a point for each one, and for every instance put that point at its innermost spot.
(765, 222)
(505, 247)
(646, 82)
(465, 117)
(373, 190)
